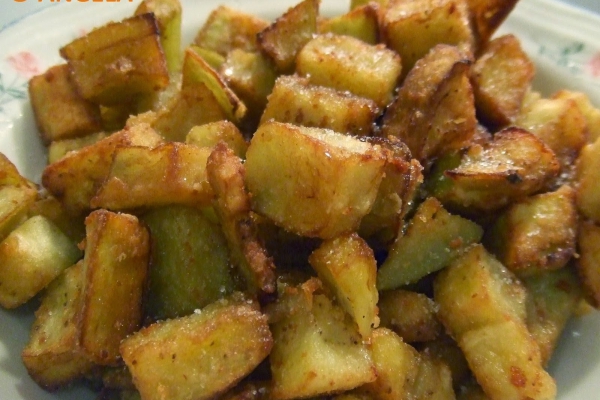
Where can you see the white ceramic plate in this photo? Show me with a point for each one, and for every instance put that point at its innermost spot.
(563, 41)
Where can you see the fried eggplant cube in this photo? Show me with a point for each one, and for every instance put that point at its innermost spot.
(559, 123)
(588, 264)
(552, 299)
(286, 36)
(251, 75)
(348, 267)
(477, 290)
(198, 356)
(402, 177)
(190, 107)
(60, 112)
(189, 267)
(536, 234)
(209, 135)
(501, 77)
(316, 347)
(434, 111)
(482, 306)
(412, 28)
(118, 62)
(59, 148)
(53, 356)
(294, 100)
(590, 113)
(396, 363)
(168, 18)
(49, 207)
(31, 257)
(404, 373)
(17, 195)
(361, 22)
(142, 177)
(232, 204)
(489, 176)
(227, 29)
(432, 240)
(117, 254)
(349, 64)
(74, 179)
(586, 181)
(197, 72)
(310, 181)
(486, 16)
(410, 314)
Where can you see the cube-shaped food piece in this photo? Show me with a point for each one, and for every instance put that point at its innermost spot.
(198, 356)
(168, 18)
(17, 195)
(10, 175)
(119, 61)
(197, 72)
(226, 175)
(514, 165)
(586, 181)
(284, 38)
(434, 111)
(404, 373)
(402, 177)
(536, 234)
(588, 264)
(506, 362)
(74, 179)
(501, 77)
(53, 356)
(48, 206)
(214, 59)
(477, 290)
(487, 16)
(482, 305)
(251, 75)
(552, 299)
(227, 29)
(349, 64)
(31, 257)
(559, 123)
(171, 173)
(60, 112)
(15, 202)
(209, 135)
(317, 348)
(347, 265)
(117, 253)
(590, 113)
(294, 100)
(396, 363)
(434, 238)
(191, 106)
(446, 350)
(314, 182)
(59, 148)
(433, 380)
(361, 22)
(410, 314)
(412, 28)
(189, 268)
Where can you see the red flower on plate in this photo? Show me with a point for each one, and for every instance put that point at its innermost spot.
(25, 64)
(594, 65)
